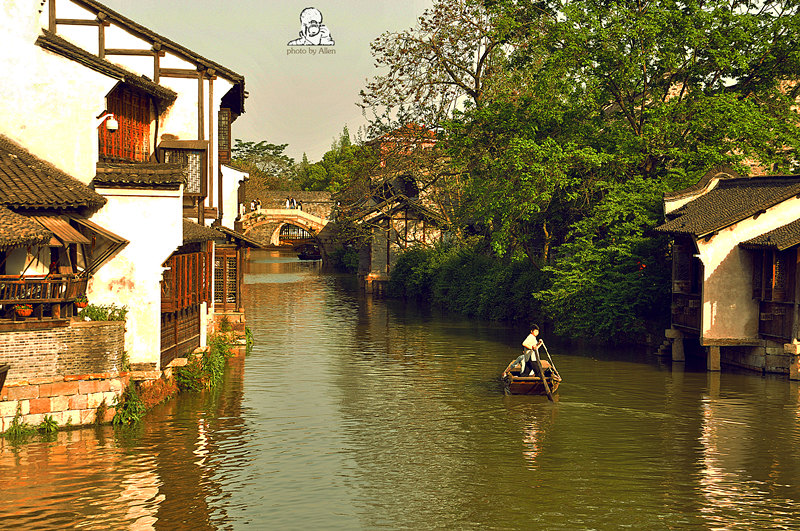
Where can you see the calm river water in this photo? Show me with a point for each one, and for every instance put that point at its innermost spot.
(359, 414)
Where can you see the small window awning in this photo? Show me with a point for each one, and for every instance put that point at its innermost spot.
(103, 246)
(63, 232)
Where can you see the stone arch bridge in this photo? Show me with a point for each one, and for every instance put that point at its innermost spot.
(265, 224)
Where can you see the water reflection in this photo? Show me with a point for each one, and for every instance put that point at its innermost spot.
(356, 413)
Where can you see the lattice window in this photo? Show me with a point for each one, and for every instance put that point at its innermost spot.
(131, 142)
(226, 279)
(224, 135)
(232, 276)
(219, 279)
(193, 159)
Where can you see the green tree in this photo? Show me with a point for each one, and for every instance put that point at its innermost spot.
(266, 163)
(604, 108)
(449, 55)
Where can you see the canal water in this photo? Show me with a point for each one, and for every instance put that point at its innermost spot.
(352, 413)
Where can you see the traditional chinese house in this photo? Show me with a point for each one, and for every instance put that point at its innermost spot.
(142, 120)
(735, 288)
(49, 249)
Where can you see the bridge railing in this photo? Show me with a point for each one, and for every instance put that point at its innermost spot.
(286, 215)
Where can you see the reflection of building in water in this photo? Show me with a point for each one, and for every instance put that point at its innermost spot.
(744, 467)
(158, 474)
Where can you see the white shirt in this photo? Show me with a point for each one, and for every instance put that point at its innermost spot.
(531, 341)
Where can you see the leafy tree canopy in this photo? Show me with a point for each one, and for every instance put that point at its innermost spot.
(266, 163)
(577, 115)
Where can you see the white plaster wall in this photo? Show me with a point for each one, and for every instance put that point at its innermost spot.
(152, 222)
(49, 104)
(672, 205)
(87, 37)
(181, 118)
(230, 199)
(729, 311)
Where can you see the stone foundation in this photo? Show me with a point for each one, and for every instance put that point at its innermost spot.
(236, 321)
(71, 400)
(756, 355)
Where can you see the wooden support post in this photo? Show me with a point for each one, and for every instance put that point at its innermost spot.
(200, 107)
(51, 22)
(712, 358)
(210, 162)
(101, 35)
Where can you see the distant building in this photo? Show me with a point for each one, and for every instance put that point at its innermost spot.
(398, 209)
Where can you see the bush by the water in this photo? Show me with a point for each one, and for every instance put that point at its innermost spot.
(129, 407)
(462, 278)
(345, 259)
(206, 369)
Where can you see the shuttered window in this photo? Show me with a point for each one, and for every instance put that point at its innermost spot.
(131, 141)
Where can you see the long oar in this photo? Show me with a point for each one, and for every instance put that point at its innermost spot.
(541, 375)
(553, 365)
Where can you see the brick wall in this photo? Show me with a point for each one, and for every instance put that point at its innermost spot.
(69, 400)
(81, 348)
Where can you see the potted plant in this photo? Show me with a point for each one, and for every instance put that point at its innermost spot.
(23, 310)
(81, 301)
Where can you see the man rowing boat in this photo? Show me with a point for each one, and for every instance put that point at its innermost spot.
(530, 356)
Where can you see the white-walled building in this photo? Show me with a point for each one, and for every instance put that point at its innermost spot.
(735, 283)
(146, 123)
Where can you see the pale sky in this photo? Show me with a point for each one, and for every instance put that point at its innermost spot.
(302, 100)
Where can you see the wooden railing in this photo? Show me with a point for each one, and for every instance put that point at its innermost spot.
(186, 282)
(40, 289)
(776, 319)
(50, 296)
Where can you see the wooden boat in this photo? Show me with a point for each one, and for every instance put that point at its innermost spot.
(309, 252)
(303, 255)
(530, 385)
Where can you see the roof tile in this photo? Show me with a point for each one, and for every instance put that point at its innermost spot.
(139, 175)
(29, 182)
(731, 201)
(17, 230)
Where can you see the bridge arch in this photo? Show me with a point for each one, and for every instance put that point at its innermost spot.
(272, 220)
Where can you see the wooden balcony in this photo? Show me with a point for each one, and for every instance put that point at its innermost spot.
(51, 297)
(186, 282)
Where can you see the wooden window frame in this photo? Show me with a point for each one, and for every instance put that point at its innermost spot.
(132, 109)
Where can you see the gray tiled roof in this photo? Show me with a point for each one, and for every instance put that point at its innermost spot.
(27, 182)
(139, 175)
(17, 230)
(54, 43)
(780, 239)
(731, 201)
(194, 232)
(240, 238)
